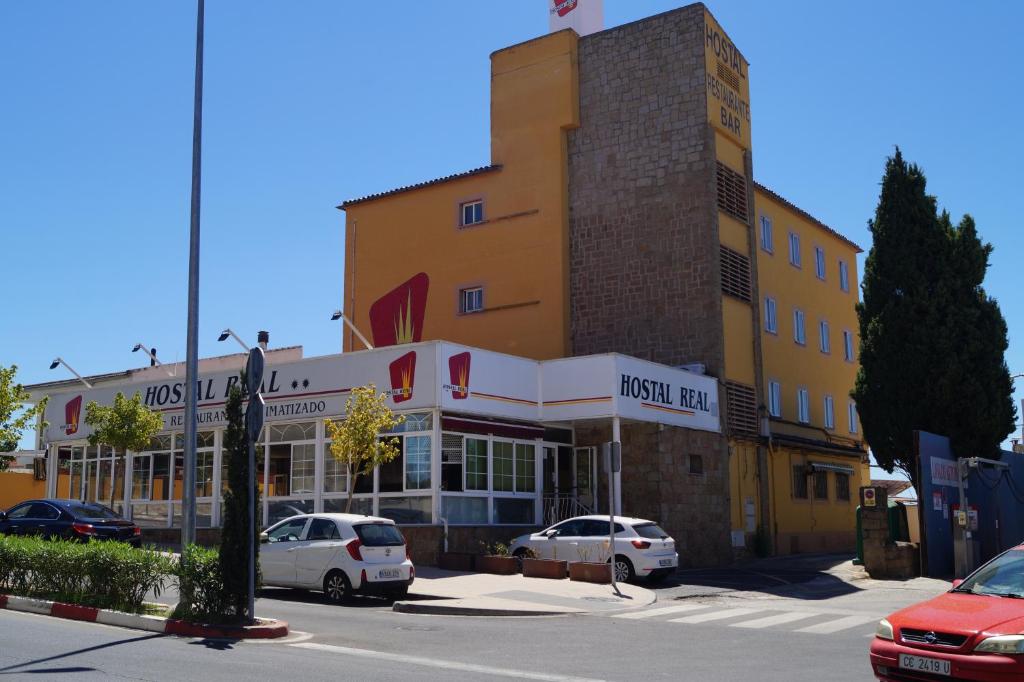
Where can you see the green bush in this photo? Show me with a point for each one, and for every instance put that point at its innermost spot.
(200, 586)
(109, 575)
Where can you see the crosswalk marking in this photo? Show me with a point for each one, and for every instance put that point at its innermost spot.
(715, 615)
(831, 626)
(778, 619)
(678, 608)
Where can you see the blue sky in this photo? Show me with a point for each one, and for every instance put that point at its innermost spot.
(310, 103)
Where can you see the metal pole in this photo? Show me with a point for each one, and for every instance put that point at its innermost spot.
(963, 533)
(606, 451)
(617, 438)
(188, 497)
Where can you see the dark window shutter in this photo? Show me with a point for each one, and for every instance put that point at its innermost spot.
(742, 418)
(732, 193)
(735, 273)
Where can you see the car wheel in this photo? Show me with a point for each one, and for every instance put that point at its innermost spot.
(623, 568)
(337, 588)
(519, 555)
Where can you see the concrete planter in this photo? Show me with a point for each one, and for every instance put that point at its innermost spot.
(590, 572)
(544, 568)
(456, 561)
(500, 565)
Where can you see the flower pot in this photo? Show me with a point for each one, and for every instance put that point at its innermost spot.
(501, 565)
(590, 572)
(544, 568)
(455, 561)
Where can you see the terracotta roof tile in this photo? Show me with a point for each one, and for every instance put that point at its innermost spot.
(789, 204)
(419, 185)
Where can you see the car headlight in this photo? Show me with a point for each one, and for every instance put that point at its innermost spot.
(1004, 644)
(884, 629)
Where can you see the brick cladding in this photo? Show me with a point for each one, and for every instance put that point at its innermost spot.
(644, 268)
(642, 214)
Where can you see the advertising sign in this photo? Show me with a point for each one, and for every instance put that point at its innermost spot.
(484, 382)
(944, 472)
(583, 16)
(728, 86)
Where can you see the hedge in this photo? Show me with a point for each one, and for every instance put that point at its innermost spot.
(201, 587)
(108, 575)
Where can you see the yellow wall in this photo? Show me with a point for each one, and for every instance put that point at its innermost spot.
(523, 247)
(16, 486)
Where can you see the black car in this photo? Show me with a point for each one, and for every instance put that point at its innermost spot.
(69, 519)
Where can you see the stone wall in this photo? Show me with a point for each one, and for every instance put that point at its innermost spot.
(644, 276)
(657, 485)
(884, 559)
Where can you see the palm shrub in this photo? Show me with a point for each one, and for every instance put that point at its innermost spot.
(200, 586)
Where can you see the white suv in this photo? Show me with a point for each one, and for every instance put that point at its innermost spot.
(642, 548)
(337, 553)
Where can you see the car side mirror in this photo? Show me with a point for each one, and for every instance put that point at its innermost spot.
(957, 582)
(3, 516)
(551, 534)
(264, 538)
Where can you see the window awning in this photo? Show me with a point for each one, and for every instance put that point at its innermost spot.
(826, 466)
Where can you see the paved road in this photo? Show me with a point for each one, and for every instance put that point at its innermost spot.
(711, 633)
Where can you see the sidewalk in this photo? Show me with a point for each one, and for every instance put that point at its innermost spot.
(481, 594)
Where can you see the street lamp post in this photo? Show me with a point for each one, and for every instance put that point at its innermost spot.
(188, 497)
(60, 361)
(338, 315)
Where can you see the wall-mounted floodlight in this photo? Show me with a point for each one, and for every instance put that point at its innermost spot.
(338, 315)
(228, 333)
(151, 352)
(60, 361)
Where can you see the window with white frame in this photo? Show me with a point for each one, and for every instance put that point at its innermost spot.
(771, 323)
(847, 345)
(803, 406)
(471, 212)
(766, 234)
(851, 415)
(417, 463)
(799, 331)
(471, 300)
(819, 262)
(824, 342)
(830, 413)
(774, 398)
(844, 276)
(794, 249)
(514, 467)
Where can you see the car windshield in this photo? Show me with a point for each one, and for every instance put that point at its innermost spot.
(379, 535)
(84, 510)
(1002, 577)
(651, 531)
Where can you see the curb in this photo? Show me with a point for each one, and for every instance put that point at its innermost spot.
(269, 629)
(442, 610)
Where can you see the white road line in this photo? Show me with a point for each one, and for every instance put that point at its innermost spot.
(438, 663)
(678, 608)
(828, 627)
(778, 619)
(715, 615)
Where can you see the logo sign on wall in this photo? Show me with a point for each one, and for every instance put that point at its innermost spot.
(458, 371)
(944, 472)
(403, 377)
(72, 413)
(397, 316)
(583, 16)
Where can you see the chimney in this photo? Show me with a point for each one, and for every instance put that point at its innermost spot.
(152, 357)
(263, 338)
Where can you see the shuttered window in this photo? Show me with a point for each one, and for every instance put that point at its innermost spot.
(742, 408)
(732, 193)
(735, 273)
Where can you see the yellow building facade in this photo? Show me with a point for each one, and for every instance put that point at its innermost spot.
(619, 213)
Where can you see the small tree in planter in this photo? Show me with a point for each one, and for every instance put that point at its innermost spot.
(496, 559)
(593, 566)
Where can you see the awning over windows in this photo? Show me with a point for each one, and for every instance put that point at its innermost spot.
(826, 466)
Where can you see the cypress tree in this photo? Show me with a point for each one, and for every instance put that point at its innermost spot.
(932, 341)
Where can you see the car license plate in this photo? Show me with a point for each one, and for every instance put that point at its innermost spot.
(665, 562)
(389, 573)
(935, 666)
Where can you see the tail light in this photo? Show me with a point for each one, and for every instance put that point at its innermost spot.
(362, 577)
(641, 544)
(407, 557)
(353, 549)
(84, 528)
(412, 572)
(136, 531)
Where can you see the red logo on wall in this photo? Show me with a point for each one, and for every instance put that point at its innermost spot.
(563, 7)
(397, 316)
(72, 411)
(403, 375)
(458, 371)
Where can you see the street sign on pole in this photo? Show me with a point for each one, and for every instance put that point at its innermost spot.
(253, 426)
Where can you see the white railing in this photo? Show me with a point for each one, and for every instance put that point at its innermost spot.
(560, 507)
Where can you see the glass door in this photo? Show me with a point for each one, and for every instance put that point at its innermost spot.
(584, 476)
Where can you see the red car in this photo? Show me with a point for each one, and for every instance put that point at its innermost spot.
(973, 632)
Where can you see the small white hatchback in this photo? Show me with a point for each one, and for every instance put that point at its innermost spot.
(642, 548)
(340, 554)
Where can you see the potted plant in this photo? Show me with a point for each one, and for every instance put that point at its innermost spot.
(496, 559)
(535, 567)
(593, 566)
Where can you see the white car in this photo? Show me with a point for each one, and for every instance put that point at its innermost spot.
(642, 548)
(338, 553)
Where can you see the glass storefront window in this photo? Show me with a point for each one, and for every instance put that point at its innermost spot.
(476, 464)
(417, 463)
(161, 489)
(360, 505)
(451, 462)
(513, 510)
(282, 509)
(418, 421)
(464, 510)
(504, 466)
(334, 472)
(204, 473)
(286, 433)
(141, 465)
(525, 460)
(406, 509)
